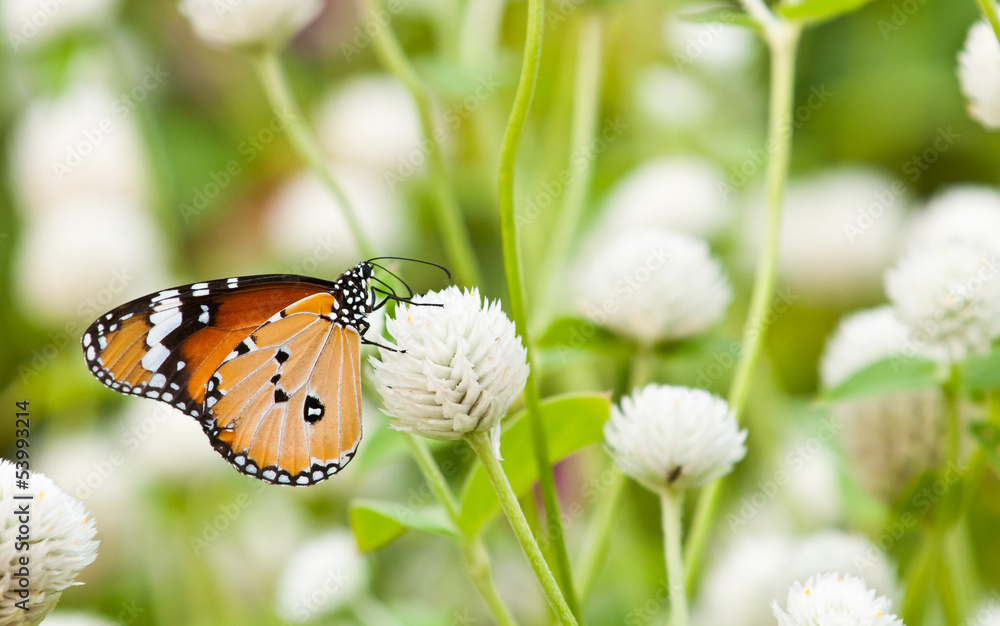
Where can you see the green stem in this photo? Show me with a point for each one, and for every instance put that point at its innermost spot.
(671, 503)
(474, 555)
(456, 238)
(287, 109)
(918, 582)
(482, 23)
(599, 538)
(990, 11)
(480, 443)
(513, 271)
(586, 103)
(782, 38)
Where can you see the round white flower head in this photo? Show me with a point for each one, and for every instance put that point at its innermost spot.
(949, 295)
(832, 599)
(372, 120)
(86, 255)
(962, 213)
(652, 285)
(670, 437)
(74, 145)
(979, 74)
(322, 576)
(678, 193)
(458, 368)
(722, 48)
(61, 540)
(30, 24)
(303, 215)
(671, 98)
(840, 230)
(888, 438)
(249, 23)
(988, 614)
(758, 567)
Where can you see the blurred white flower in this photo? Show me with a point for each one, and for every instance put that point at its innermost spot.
(459, 367)
(677, 193)
(321, 577)
(671, 98)
(949, 296)
(756, 568)
(249, 23)
(832, 599)
(72, 618)
(652, 285)
(979, 74)
(86, 256)
(718, 47)
(306, 225)
(840, 230)
(812, 495)
(987, 614)
(82, 142)
(670, 437)
(164, 444)
(962, 213)
(888, 439)
(60, 544)
(33, 23)
(372, 120)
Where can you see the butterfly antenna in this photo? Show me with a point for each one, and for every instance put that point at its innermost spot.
(394, 275)
(401, 258)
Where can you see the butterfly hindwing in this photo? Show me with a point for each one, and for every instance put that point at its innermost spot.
(285, 405)
(166, 345)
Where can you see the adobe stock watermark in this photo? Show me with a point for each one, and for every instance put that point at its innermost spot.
(696, 45)
(901, 14)
(87, 311)
(453, 116)
(756, 158)
(795, 461)
(121, 109)
(590, 492)
(552, 189)
(913, 168)
(33, 25)
(228, 512)
(723, 360)
(218, 180)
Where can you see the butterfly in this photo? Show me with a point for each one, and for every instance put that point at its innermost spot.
(270, 365)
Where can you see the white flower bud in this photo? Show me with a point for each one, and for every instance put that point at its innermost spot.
(249, 23)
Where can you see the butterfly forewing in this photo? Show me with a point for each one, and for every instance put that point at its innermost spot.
(285, 406)
(166, 346)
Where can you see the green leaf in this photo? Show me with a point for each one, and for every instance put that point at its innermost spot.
(720, 14)
(571, 422)
(579, 334)
(988, 437)
(820, 10)
(377, 523)
(982, 373)
(891, 374)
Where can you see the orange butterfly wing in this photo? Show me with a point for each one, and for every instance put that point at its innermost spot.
(286, 407)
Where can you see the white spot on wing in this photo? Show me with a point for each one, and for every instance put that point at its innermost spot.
(153, 359)
(165, 294)
(158, 381)
(164, 323)
(91, 353)
(199, 292)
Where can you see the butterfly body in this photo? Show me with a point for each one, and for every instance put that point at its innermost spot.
(269, 365)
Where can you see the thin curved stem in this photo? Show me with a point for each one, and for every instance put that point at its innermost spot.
(782, 38)
(515, 285)
(449, 217)
(287, 109)
(474, 555)
(508, 502)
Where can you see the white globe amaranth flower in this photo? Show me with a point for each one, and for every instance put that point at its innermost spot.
(30, 24)
(85, 256)
(652, 285)
(675, 193)
(959, 213)
(76, 144)
(834, 599)
(249, 23)
(305, 224)
(669, 437)
(840, 229)
(60, 544)
(860, 339)
(372, 120)
(718, 47)
(324, 575)
(756, 568)
(979, 74)
(987, 614)
(949, 296)
(458, 369)
(671, 98)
